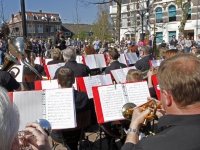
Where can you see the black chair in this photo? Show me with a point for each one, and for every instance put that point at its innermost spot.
(83, 120)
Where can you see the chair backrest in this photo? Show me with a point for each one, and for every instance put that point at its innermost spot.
(83, 120)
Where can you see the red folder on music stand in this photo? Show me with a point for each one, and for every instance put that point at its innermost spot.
(155, 84)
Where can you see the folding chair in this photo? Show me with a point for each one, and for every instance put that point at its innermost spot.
(83, 120)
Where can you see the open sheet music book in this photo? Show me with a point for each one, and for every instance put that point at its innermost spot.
(86, 83)
(155, 63)
(122, 59)
(110, 99)
(131, 58)
(120, 74)
(51, 69)
(57, 106)
(95, 61)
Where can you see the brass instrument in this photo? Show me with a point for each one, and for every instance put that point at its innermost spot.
(128, 108)
(144, 73)
(9, 63)
(21, 134)
(17, 49)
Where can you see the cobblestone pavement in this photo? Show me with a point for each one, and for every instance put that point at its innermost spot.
(94, 140)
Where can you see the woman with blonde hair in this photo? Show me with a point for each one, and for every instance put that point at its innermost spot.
(56, 55)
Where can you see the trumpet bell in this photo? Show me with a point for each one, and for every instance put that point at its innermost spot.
(127, 110)
(45, 125)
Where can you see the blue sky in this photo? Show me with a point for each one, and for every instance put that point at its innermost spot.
(66, 9)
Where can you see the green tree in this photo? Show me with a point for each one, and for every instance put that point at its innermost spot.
(102, 23)
(185, 9)
(82, 35)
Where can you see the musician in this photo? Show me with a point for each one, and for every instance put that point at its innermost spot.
(80, 70)
(66, 79)
(60, 41)
(143, 63)
(29, 83)
(179, 85)
(8, 82)
(55, 55)
(113, 56)
(9, 126)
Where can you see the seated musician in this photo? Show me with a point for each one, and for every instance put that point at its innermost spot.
(66, 80)
(30, 76)
(179, 82)
(8, 82)
(56, 56)
(143, 63)
(9, 126)
(113, 56)
(80, 70)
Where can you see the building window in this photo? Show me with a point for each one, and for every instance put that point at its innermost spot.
(51, 28)
(40, 28)
(67, 34)
(159, 15)
(48, 28)
(39, 18)
(159, 37)
(123, 1)
(31, 28)
(133, 19)
(172, 13)
(171, 33)
(124, 20)
(57, 19)
(57, 27)
(30, 18)
(189, 12)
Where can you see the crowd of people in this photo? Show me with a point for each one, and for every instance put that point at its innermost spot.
(178, 78)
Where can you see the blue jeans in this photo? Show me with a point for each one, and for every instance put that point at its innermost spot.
(187, 49)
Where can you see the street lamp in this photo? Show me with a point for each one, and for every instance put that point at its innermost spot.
(46, 18)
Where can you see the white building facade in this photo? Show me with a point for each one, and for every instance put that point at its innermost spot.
(164, 15)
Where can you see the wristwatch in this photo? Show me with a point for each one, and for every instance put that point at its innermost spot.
(132, 130)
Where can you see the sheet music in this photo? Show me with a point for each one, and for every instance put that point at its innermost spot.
(79, 59)
(100, 60)
(137, 92)
(20, 75)
(90, 61)
(47, 60)
(29, 104)
(95, 81)
(37, 60)
(120, 74)
(156, 63)
(131, 58)
(52, 69)
(105, 79)
(60, 108)
(122, 59)
(112, 101)
(49, 84)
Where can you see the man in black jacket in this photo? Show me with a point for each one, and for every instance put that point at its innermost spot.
(180, 97)
(66, 80)
(143, 64)
(80, 70)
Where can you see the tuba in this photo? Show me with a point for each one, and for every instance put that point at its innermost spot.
(17, 49)
(9, 62)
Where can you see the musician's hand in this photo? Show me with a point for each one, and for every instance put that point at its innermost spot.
(58, 44)
(138, 117)
(39, 139)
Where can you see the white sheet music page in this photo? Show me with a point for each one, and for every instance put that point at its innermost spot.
(112, 100)
(90, 61)
(49, 84)
(60, 108)
(131, 58)
(52, 69)
(137, 92)
(156, 63)
(89, 83)
(105, 79)
(79, 59)
(37, 60)
(29, 104)
(122, 59)
(119, 75)
(100, 60)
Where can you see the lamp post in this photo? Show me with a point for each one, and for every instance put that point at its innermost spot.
(23, 18)
(48, 19)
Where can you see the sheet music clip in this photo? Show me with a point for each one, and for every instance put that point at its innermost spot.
(50, 79)
(90, 76)
(115, 85)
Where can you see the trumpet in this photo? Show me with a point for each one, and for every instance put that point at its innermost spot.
(21, 134)
(128, 108)
(144, 73)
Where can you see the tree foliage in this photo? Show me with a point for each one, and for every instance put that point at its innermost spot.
(185, 9)
(4, 31)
